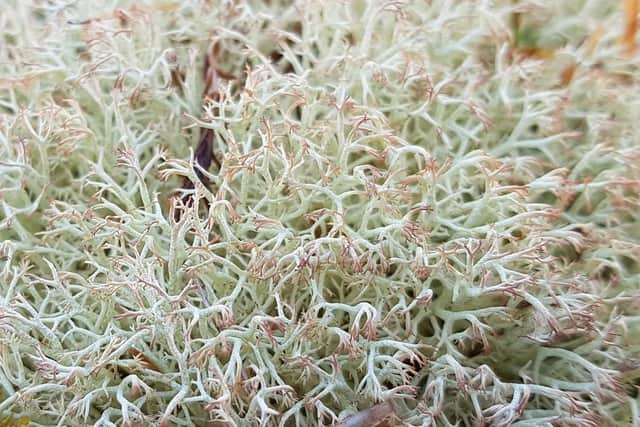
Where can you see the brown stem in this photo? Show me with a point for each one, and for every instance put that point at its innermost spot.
(204, 154)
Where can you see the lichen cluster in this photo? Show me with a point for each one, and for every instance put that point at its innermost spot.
(428, 203)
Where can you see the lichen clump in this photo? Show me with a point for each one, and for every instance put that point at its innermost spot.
(426, 206)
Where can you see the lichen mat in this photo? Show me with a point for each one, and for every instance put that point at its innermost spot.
(349, 213)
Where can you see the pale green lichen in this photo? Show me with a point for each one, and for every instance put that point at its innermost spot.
(434, 204)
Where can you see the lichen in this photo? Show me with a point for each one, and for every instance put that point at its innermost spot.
(425, 206)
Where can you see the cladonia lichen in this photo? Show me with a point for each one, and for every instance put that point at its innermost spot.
(427, 211)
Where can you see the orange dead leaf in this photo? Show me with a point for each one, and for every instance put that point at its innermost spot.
(593, 40)
(567, 74)
(630, 25)
(536, 52)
